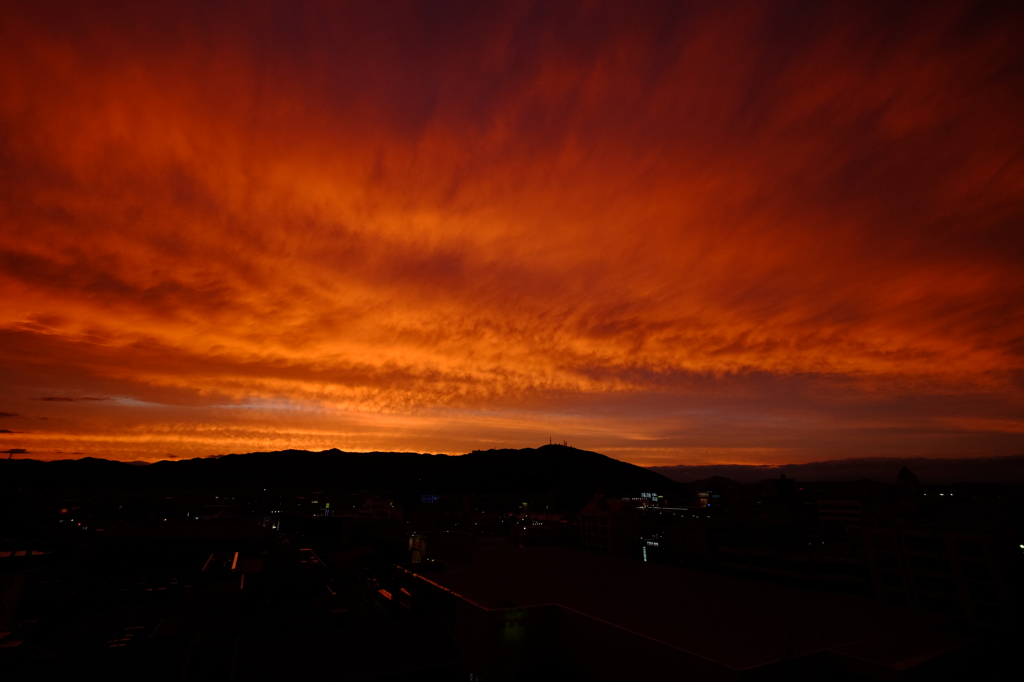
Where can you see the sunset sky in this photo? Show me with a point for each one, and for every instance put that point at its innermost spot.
(672, 233)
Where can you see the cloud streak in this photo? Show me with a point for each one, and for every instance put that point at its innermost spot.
(66, 399)
(530, 215)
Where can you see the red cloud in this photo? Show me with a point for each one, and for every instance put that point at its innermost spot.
(490, 216)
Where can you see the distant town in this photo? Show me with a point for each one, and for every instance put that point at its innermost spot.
(549, 563)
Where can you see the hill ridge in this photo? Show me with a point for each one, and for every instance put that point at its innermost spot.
(566, 472)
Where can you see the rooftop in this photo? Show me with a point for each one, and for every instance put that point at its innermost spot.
(736, 622)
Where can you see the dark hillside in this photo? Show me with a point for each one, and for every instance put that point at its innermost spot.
(570, 473)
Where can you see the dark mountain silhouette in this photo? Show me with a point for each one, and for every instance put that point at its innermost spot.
(572, 473)
(1008, 469)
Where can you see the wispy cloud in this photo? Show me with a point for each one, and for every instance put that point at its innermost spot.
(806, 220)
(66, 399)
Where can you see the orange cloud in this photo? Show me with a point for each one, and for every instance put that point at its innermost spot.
(672, 229)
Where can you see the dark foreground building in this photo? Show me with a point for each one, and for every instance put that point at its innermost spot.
(557, 613)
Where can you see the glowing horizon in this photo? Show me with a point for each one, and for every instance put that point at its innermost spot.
(740, 233)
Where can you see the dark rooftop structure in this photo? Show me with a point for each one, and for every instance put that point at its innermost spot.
(610, 618)
(907, 483)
